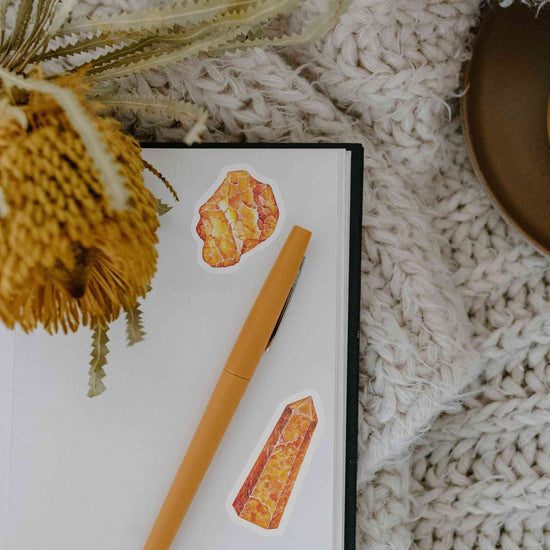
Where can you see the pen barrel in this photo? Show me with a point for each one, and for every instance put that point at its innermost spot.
(208, 435)
(239, 368)
(262, 319)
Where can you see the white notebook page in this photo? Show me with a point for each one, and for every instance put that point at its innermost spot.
(93, 473)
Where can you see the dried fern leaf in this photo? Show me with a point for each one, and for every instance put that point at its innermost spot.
(156, 173)
(125, 50)
(262, 13)
(162, 207)
(157, 104)
(155, 44)
(40, 20)
(98, 360)
(89, 46)
(158, 43)
(134, 325)
(41, 16)
(22, 19)
(152, 45)
(312, 31)
(96, 147)
(42, 6)
(149, 60)
(161, 41)
(3, 13)
(258, 39)
(157, 19)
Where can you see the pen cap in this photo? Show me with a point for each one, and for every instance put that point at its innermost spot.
(263, 316)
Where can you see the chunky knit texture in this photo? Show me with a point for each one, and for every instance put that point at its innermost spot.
(454, 438)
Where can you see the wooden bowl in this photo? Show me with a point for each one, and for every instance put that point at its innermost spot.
(504, 116)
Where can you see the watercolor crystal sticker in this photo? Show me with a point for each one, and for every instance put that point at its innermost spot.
(241, 214)
(264, 495)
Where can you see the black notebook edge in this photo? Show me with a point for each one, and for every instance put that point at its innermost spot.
(354, 306)
(354, 303)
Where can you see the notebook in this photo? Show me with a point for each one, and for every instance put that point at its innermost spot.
(81, 473)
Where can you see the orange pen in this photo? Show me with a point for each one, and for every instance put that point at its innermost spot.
(255, 336)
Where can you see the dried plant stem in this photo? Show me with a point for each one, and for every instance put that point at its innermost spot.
(154, 171)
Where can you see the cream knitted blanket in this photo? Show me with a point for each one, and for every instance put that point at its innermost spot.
(454, 438)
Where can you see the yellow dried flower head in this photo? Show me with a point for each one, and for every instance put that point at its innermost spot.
(67, 258)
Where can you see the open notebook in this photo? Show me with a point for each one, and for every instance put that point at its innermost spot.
(88, 474)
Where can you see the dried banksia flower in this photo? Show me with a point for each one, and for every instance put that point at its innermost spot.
(67, 256)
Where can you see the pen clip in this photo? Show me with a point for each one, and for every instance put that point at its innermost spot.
(287, 301)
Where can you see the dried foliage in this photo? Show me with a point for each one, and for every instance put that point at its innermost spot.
(98, 360)
(77, 225)
(133, 42)
(162, 208)
(134, 325)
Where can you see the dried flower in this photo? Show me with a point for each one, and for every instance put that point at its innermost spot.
(67, 257)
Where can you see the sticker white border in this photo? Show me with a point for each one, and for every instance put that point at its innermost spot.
(210, 191)
(301, 474)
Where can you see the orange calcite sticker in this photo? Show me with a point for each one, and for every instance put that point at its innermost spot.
(264, 495)
(241, 214)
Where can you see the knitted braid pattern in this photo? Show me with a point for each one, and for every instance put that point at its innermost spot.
(455, 325)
